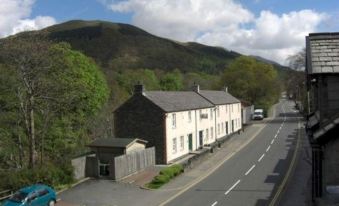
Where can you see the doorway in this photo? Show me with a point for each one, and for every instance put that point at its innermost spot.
(201, 138)
(103, 169)
(190, 142)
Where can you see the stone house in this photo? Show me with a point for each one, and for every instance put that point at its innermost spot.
(322, 69)
(177, 123)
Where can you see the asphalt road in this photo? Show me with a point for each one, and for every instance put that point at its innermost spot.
(255, 175)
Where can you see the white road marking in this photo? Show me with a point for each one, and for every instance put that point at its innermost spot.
(262, 156)
(272, 141)
(268, 148)
(215, 203)
(248, 171)
(229, 190)
(276, 136)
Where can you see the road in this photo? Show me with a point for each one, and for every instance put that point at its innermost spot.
(257, 173)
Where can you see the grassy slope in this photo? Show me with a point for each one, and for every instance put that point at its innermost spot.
(122, 46)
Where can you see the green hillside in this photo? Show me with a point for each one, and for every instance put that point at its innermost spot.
(123, 46)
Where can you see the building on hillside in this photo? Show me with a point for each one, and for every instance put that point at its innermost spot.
(177, 123)
(322, 67)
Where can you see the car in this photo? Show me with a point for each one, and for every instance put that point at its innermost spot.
(258, 114)
(34, 195)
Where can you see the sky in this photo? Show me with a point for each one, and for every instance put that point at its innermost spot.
(273, 29)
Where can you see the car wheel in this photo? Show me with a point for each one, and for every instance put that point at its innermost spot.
(51, 203)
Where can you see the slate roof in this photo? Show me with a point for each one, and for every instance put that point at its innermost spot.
(115, 142)
(218, 97)
(322, 53)
(171, 101)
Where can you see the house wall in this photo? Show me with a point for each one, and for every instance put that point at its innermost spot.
(178, 135)
(140, 118)
(135, 147)
(331, 162)
(224, 117)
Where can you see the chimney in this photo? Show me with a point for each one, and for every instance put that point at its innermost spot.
(196, 88)
(226, 89)
(139, 89)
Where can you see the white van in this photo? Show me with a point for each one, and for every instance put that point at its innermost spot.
(258, 114)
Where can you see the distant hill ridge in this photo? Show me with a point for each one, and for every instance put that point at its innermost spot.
(122, 46)
(119, 46)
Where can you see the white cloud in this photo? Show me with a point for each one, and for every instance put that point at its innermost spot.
(14, 17)
(224, 23)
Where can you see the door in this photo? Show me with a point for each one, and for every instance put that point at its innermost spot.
(232, 126)
(190, 142)
(103, 169)
(201, 138)
(226, 124)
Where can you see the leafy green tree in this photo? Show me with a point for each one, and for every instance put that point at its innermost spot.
(252, 81)
(47, 94)
(172, 81)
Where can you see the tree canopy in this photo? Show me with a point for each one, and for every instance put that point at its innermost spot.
(48, 93)
(252, 81)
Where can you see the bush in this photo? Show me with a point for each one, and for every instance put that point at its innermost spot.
(48, 174)
(165, 175)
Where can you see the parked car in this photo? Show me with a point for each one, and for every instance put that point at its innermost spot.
(34, 195)
(258, 114)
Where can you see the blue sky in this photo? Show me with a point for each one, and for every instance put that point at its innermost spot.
(273, 29)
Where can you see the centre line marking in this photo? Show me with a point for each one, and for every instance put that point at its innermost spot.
(268, 148)
(248, 171)
(272, 141)
(215, 203)
(229, 190)
(262, 156)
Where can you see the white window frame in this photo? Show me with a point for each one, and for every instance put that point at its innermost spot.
(189, 116)
(211, 132)
(174, 121)
(182, 143)
(174, 145)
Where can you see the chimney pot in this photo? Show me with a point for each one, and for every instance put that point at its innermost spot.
(139, 89)
(196, 88)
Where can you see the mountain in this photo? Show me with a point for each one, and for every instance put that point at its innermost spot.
(121, 46)
(116, 46)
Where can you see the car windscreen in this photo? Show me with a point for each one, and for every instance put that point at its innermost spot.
(257, 113)
(18, 197)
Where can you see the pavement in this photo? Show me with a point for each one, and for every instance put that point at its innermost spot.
(129, 191)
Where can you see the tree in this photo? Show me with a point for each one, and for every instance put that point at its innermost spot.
(172, 81)
(51, 91)
(252, 81)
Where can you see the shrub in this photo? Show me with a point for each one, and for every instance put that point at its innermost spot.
(48, 174)
(165, 175)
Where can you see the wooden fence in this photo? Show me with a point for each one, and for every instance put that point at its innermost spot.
(128, 164)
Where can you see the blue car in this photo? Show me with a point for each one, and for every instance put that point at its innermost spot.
(34, 195)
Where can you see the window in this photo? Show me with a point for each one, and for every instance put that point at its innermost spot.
(182, 146)
(211, 132)
(232, 107)
(174, 121)
(189, 116)
(218, 110)
(174, 145)
(211, 111)
(218, 129)
(222, 127)
(43, 192)
(226, 108)
(207, 135)
(200, 112)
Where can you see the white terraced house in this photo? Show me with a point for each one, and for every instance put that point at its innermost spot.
(178, 122)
